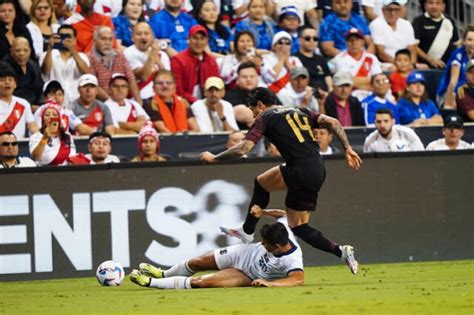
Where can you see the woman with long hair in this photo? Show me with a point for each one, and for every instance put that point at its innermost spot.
(220, 36)
(131, 14)
(12, 25)
(52, 145)
(42, 25)
(244, 50)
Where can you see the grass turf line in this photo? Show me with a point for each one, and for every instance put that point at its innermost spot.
(411, 288)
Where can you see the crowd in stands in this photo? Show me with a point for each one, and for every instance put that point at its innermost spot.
(99, 68)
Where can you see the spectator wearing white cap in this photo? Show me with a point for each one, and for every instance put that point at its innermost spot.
(453, 131)
(392, 33)
(278, 63)
(213, 113)
(127, 115)
(91, 111)
(297, 92)
(373, 9)
(148, 146)
(341, 105)
(358, 62)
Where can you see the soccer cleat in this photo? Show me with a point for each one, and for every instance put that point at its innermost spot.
(348, 257)
(138, 278)
(150, 270)
(238, 233)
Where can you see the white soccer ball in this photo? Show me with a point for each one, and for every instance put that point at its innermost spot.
(110, 273)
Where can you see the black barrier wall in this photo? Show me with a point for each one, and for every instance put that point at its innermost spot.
(64, 222)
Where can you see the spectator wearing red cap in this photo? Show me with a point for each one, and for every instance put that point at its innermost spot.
(148, 146)
(193, 66)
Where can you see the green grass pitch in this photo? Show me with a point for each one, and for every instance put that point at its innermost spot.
(410, 288)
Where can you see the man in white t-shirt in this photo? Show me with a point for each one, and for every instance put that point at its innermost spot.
(15, 112)
(127, 115)
(453, 131)
(146, 57)
(277, 261)
(212, 113)
(9, 152)
(297, 92)
(389, 137)
(391, 33)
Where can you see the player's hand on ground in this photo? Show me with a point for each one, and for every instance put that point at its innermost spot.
(256, 211)
(208, 157)
(353, 159)
(260, 283)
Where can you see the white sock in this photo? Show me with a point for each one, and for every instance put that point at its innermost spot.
(181, 269)
(171, 283)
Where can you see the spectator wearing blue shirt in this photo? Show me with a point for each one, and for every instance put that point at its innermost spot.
(455, 73)
(381, 97)
(414, 107)
(220, 35)
(256, 22)
(334, 27)
(289, 22)
(173, 24)
(131, 14)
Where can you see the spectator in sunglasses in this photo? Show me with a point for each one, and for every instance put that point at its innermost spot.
(9, 152)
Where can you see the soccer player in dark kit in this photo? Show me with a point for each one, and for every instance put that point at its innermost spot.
(291, 131)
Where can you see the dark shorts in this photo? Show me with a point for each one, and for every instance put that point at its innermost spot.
(304, 178)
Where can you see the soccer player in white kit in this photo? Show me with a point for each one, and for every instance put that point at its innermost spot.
(276, 261)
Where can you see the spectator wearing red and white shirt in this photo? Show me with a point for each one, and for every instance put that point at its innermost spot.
(127, 115)
(15, 112)
(358, 62)
(146, 57)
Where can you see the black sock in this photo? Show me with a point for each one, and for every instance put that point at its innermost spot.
(260, 197)
(316, 239)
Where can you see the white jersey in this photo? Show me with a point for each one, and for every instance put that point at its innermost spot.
(402, 139)
(257, 263)
(126, 113)
(269, 62)
(289, 97)
(137, 59)
(15, 116)
(366, 66)
(209, 121)
(393, 40)
(51, 150)
(440, 145)
(21, 162)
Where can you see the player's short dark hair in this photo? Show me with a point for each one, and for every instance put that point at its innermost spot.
(246, 65)
(68, 27)
(384, 110)
(403, 52)
(275, 234)
(100, 134)
(264, 95)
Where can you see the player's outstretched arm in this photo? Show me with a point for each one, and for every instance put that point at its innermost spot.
(235, 152)
(352, 158)
(294, 278)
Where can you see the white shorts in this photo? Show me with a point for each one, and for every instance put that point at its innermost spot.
(235, 256)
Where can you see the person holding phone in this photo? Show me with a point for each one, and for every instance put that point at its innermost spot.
(52, 145)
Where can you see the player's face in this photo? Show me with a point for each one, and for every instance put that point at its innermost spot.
(381, 85)
(270, 248)
(257, 109)
(57, 96)
(453, 135)
(435, 8)
(88, 93)
(197, 43)
(149, 146)
(354, 44)
(100, 148)
(416, 89)
(403, 63)
(247, 79)
(342, 8)
(118, 90)
(142, 36)
(323, 138)
(7, 86)
(164, 87)
(209, 12)
(8, 147)
(257, 10)
(384, 123)
(392, 13)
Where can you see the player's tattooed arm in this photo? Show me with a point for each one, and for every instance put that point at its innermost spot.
(336, 127)
(236, 151)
